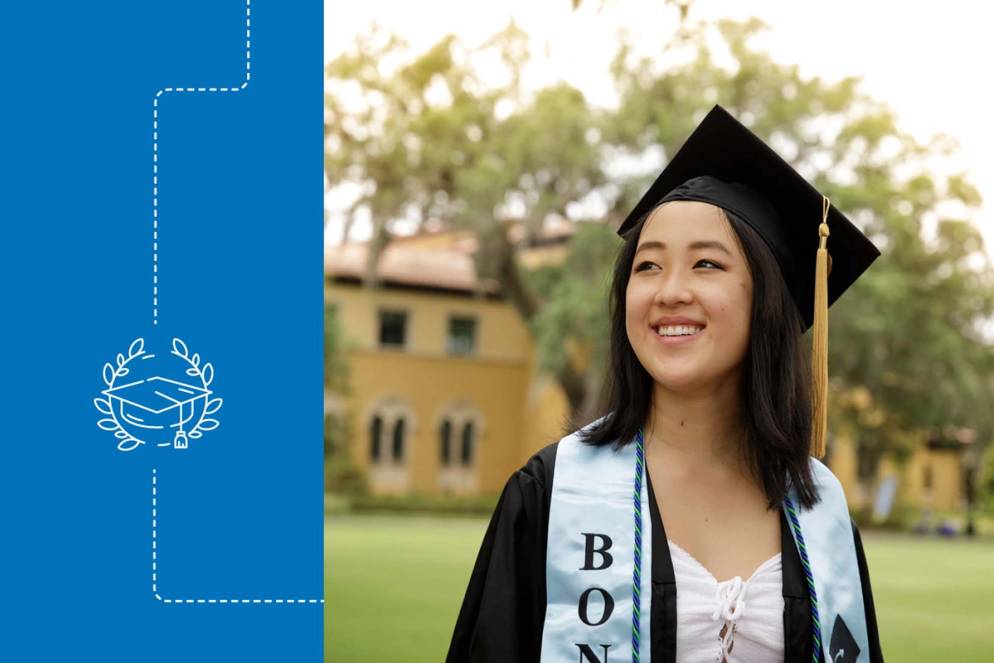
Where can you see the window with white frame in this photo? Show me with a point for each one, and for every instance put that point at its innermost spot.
(468, 442)
(462, 335)
(397, 448)
(390, 425)
(445, 441)
(459, 430)
(393, 328)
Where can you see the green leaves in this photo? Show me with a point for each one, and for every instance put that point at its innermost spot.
(574, 318)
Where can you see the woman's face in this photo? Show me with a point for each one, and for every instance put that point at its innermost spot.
(689, 271)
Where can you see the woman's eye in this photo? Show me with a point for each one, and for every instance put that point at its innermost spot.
(645, 265)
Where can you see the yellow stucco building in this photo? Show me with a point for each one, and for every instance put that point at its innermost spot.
(931, 478)
(446, 397)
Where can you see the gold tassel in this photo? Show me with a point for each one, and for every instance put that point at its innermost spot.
(819, 352)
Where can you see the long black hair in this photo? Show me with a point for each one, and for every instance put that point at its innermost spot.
(776, 379)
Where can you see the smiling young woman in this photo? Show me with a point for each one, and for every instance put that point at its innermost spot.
(711, 426)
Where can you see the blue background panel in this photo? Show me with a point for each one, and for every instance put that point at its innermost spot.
(239, 513)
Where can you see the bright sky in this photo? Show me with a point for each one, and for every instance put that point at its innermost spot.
(928, 61)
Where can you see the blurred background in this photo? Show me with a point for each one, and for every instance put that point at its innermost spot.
(479, 158)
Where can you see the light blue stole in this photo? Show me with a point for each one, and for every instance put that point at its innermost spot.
(590, 558)
(828, 557)
(588, 572)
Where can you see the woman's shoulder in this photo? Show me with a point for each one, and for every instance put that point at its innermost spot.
(540, 467)
(823, 474)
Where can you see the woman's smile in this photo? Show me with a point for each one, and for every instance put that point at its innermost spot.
(677, 334)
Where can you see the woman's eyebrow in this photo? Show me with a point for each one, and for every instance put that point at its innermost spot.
(700, 244)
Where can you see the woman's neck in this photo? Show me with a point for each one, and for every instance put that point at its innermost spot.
(697, 431)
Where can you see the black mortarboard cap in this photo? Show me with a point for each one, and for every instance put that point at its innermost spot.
(727, 165)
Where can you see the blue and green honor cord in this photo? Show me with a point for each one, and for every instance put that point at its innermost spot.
(808, 576)
(637, 567)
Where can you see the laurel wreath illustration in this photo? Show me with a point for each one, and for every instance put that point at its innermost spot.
(110, 423)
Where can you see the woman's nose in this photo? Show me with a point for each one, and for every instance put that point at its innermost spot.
(673, 289)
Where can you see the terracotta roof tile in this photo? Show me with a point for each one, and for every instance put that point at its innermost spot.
(442, 259)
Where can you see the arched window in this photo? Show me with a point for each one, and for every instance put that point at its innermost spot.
(375, 432)
(391, 420)
(445, 441)
(462, 440)
(398, 439)
(467, 443)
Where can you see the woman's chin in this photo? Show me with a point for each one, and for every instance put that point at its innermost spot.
(677, 381)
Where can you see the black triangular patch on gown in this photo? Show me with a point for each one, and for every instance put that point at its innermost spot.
(843, 648)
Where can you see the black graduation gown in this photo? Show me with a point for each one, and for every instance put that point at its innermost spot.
(503, 611)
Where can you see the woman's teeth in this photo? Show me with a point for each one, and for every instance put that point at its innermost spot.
(678, 330)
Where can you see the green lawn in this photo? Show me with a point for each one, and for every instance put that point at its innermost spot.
(935, 599)
(394, 584)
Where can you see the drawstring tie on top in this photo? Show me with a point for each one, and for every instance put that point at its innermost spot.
(731, 606)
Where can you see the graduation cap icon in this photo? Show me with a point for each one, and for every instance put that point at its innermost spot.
(145, 403)
(843, 647)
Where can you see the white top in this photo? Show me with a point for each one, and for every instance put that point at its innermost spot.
(733, 621)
